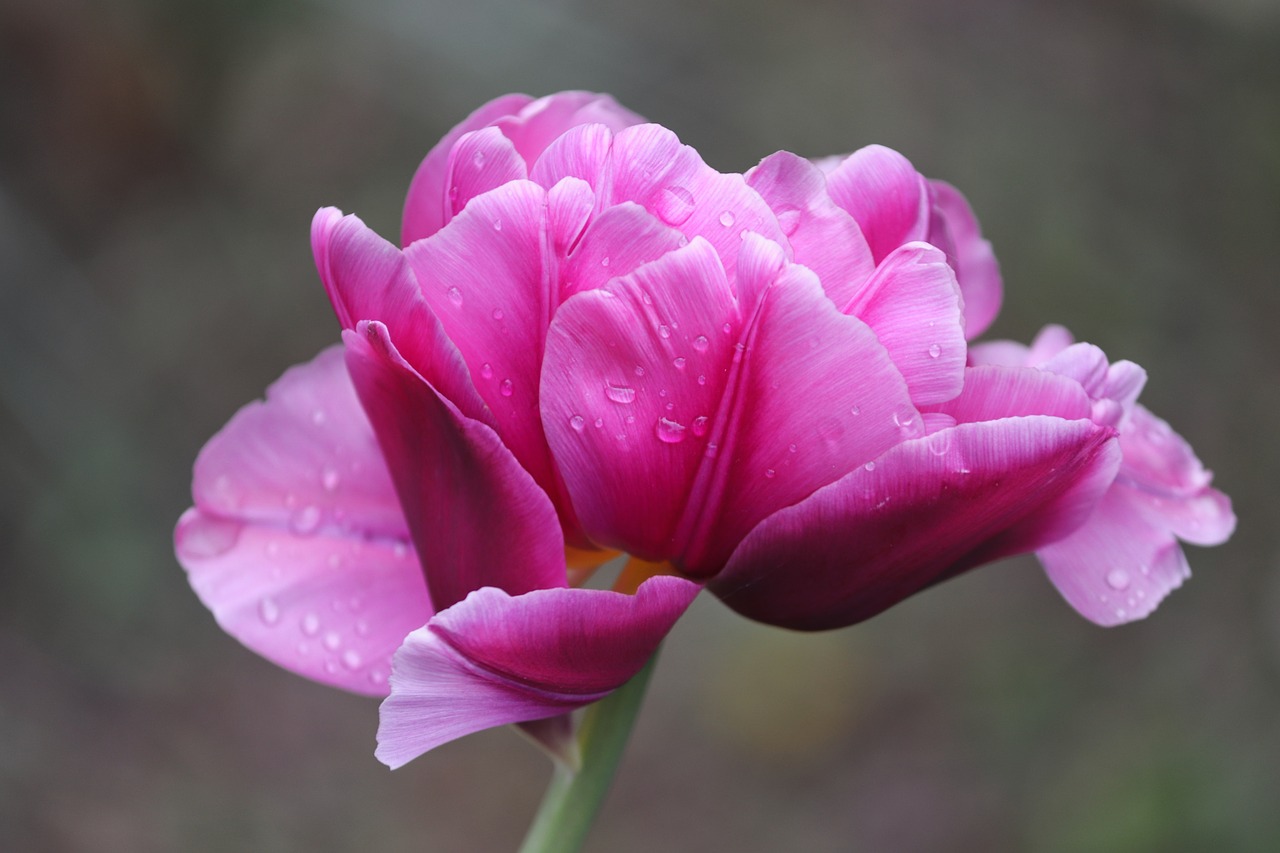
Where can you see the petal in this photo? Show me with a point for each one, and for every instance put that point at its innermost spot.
(537, 125)
(483, 275)
(885, 194)
(925, 511)
(494, 659)
(581, 153)
(652, 168)
(297, 542)
(913, 305)
(616, 242)
(824, 237)
(480, 161)
(992, 392)
(477, 517)
(368, 278)
(1118, 566)
(424, 208)
(975, 262)
(632, 375)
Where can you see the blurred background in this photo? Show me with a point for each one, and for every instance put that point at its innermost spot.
(159, 165)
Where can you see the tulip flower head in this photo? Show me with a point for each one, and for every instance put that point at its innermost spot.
(588, 342)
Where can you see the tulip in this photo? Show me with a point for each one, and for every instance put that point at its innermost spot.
(591, 342)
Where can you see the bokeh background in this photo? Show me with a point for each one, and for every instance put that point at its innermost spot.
(159, 164)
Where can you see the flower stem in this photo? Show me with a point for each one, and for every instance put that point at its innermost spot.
(572, 799)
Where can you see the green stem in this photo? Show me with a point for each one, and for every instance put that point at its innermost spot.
(572, 799)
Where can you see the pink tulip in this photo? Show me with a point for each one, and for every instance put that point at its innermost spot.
(593, 342)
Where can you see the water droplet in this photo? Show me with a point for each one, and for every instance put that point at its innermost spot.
(679, 362)
(1146, 570)
(906, 422)
(311, 624)
(305, 520)
(269, 611)
(619, 393)
(856, 410)
(935, 351)
(738, 349)
(644, 296)
(631, 419)
(669, 406)
(675, 206)
(1118, 579)
(639, 370)
(332, 640)
(578, 422)
(726, 328)
(712, 450)
(769, 473)
(664, 331)
(604, 262)
(699, 425)
(870, 466)
(378, 676)
(330, 478)
(486, 370)
(599, 423)
(497, 225)
(669, 431)
(726, 219)
(331, 667)
(479, 159)
(791, 448)
(1121, 613)
(506, 388)
(362, 628)
(788, 219)
(202, 537)
(702, 380)
(351, 659)
(497, 313)
(455, 296)
(700, 343)
(940, 443)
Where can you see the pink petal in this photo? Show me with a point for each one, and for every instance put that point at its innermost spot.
(424, 208)
(1118, 566)
(975, 262)
(652, 168)
(480, 161)
(924, 511)
(494, 659)
(992, 392)
(616, 242)
(367, 278)
(632, 376)
(297, 542)
(885, 194)
(536, 126)
(484, 276)
(913, 305)
(477, 517)
(824, 237)
(581, 153)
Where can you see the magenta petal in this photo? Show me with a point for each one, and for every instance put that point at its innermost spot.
(368, 278)
(424, 208)
(631, 381)
(477, 517)
(297, 542)
(494, 659)
(885, 194)
(1119, 565)
(536, 126)
(923, 512)
(975, 262)
(581, 153)
(993, 391)
(823, 236)
(617, 241)
(481, 161)
(913, 305)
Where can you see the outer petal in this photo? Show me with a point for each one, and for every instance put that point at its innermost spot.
(477, 517)
(297, 542)
(480, 161)
(975, 262)
(368, 278)
(1118, 566)
(494, 659)
(913, 305)
(925, 511)
(824, 237)
(424, 208)
(885, 194)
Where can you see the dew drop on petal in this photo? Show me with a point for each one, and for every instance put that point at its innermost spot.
(712, 450)
(726, 328)
(679, 362)
(769, 473)
(604, 262)
(935, 351)
(378, 677)
(578, 422)
(486, 370)
(699, 425)
(788, 219)
(311, 624)
(479, 159)
(330, 478)
(675, 206)
(362, 628)
(702, 380)
(856, 410)
(497, 225)
(269, 611)
(726, 219)
(940, 443)
(506, 388)
(791, 448)
(639, 370)
(351, 659)
(870, 466)
(455, 296)
(306, 520)
(669, 431)
(619, 393)
(332, 640)
(497, 314)
(700, 343)
(599, 422)
(664, 331)
(1118, 579)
